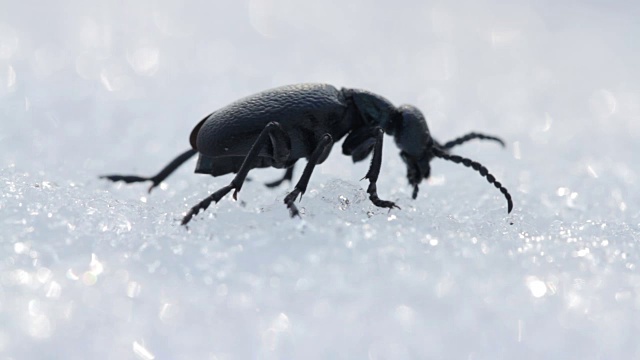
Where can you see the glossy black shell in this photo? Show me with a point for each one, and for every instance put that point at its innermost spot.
(305, 112)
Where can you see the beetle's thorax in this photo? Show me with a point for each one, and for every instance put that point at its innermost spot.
(372, 109)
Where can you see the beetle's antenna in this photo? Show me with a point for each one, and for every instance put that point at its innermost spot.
(471, 136)
(477, 167)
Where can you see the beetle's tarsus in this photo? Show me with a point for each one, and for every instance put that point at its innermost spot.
(152, 187)
(187, 218)
(204, 204)
(384, 203)
(159, 177)
(293, 211)
(414, 195)
(373, 196)
(290, 199)
(132, 179)
(125, 178)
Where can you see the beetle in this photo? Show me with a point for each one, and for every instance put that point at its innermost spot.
(277, 127)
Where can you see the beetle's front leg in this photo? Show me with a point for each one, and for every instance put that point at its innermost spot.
(272, 132)
(374, 171)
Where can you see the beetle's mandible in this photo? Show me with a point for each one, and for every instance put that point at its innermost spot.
(277, 127)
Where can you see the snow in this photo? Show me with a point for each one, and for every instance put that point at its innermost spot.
(92, 269)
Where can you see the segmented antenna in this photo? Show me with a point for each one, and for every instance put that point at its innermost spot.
(477, 167)
(471, 136)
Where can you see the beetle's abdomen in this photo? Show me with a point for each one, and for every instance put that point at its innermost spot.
(301, 110)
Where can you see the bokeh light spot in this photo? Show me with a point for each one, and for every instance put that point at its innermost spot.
(11, 77)
(8, 41)
(142, 352)
(537, 287)
(145, 60)
(261, 17)
(39, 326)
(603, 103)
(54, 290)
(89, 278)
(133, 289)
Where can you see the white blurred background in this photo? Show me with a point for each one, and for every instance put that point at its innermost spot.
(90, 269)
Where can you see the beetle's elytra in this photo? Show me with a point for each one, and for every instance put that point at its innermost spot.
(277, 127)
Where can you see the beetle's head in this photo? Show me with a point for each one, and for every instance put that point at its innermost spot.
(418, 148)
(412, 136)
(373, 109)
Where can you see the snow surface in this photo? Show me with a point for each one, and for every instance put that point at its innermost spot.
(95, 270)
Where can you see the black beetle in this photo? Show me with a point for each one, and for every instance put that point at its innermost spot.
(277, 127)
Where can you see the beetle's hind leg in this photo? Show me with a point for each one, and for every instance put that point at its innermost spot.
(288, 175)
(321, 149)
(281, 146)
(159, 177)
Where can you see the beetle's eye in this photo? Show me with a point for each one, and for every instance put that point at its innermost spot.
(407, 158)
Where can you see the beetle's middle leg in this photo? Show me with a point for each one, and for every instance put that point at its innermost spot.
(374, 171)
(288, 175)
(271, 133)
(323, 146)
